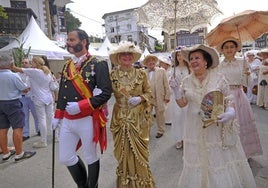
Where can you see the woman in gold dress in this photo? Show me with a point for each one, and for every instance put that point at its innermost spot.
(131, 118)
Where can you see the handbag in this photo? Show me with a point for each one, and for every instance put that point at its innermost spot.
(255, 90)
(263, 83)
(53, 84)
(229, 133)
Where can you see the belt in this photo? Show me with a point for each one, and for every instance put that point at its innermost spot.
(234, 86)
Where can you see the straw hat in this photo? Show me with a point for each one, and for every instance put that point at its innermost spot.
(211, 51)
(265, 50)
(238, 42)
(164, 60)
(125, 47)
(155, 58)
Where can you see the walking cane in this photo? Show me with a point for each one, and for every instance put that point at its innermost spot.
(53, 157)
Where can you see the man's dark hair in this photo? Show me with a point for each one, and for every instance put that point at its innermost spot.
(82, 35)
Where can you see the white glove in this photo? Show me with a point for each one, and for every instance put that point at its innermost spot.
(55, 123)
(177, 92)
(72, 108)
(227, 115)
(134, 101)
(96, 91)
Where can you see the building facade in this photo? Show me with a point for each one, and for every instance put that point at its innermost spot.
(122, 26)
(49, 17)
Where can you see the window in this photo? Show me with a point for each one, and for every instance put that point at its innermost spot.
(110, 19)
(112, 29)
(129, 27)
(129, 38)
(18, 4)
(118, 29)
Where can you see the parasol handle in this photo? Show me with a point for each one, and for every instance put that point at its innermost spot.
(244, 58)
(175, 35)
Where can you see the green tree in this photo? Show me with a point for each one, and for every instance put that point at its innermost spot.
(158, 46)
(3, 14)
(71, 21)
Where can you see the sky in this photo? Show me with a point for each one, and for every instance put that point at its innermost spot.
(90, 13)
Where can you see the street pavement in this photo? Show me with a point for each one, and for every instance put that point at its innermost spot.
(165, 161)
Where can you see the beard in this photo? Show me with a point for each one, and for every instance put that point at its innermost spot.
(77, 48)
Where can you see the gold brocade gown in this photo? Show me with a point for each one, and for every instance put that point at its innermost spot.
(130, 127)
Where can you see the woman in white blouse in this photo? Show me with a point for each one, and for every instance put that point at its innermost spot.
(235, 71)
(40, 76)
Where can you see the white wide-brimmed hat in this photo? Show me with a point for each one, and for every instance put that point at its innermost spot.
(220, 45)
(125, 47)
(211, 51)
(164, 60)
(265, 50)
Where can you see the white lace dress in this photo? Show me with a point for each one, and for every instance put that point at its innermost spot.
(206, 163)
(178, 113)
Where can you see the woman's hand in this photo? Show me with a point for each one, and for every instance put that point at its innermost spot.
(182, 102)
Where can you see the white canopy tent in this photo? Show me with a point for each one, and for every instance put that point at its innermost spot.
(92, 50)
(106, 46)
(40, 44)
(144, 54)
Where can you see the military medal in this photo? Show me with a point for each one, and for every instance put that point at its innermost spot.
(87, 74)
(92, 70)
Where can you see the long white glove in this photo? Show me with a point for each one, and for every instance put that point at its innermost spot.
(227, 115)
(96, 91)
(134, 101)
(55, 123)
(72, 108)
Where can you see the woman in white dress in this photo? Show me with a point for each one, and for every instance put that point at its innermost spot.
(235, 71)
(207, 162)
(180, 71)
(262, 97)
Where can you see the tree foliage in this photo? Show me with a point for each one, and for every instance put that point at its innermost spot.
(3, 14)
(20, 53)
(158, 46)
(71, 21)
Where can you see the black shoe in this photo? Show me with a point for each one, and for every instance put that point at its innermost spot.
(158, 135)
(26, 155)
(169, 124)
(38, 133)
(11, 153)
(25, 138)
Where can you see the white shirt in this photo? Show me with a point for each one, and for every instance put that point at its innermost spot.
(39, 85)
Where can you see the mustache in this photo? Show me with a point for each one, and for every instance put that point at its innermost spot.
(76, 48)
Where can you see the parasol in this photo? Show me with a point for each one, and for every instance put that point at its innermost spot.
(191, 22)
(155, 13)
(246, 26)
